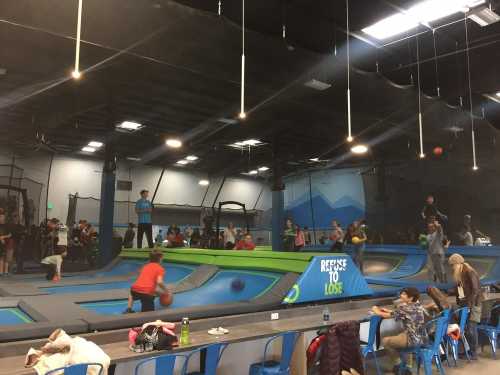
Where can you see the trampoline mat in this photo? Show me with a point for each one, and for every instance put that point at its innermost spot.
(12, 316)
(483, 267)
(217, 290)
(174, 273)
(377, 264)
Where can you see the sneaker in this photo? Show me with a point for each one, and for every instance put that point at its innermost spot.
(129, 311)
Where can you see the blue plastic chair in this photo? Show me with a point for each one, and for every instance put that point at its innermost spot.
(164, 364)
(426, 354)
(369, 347)
(79, 369)
(283, 366)
(492, 332)
(213, 355)
(463, 315)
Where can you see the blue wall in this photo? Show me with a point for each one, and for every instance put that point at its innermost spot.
(336, 194)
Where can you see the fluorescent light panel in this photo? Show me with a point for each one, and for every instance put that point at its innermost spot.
(88, 149)
(317, 85)
(314, 159)
(263, 169)
(253, 172)
(191, 157)
(498, 94)
(129, 125)
(359, 149)
(204, 182)
(182, 162)
(421, 13)
(95, 144)
(248, 142)
(174, 143)
(133, 158)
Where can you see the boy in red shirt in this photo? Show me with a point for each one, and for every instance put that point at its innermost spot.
(145, 287)
(245, 244)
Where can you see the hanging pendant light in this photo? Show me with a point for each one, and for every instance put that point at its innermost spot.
(242, 115)
(420, 124)
(76, 72)
(219, 8)
(473, 133)
(349, 127)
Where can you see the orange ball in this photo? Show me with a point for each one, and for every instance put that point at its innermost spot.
(166, 298)
(438, 151)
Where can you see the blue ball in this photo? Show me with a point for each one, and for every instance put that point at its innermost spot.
(237, 285)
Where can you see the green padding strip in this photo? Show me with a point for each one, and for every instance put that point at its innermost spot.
(257, 260)
(241, 253)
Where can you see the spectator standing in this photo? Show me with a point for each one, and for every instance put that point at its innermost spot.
(195, 238)
(468, 292)
(5, 237)
(230, 237)
(143, 208)
(159, 238)
(128, 240)
(289, 236)
(337, 237)
(299, 238)
(246, 243)
(307, 236)
(436, 251)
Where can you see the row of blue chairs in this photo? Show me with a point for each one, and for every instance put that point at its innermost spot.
(166, 363)
(427, 354)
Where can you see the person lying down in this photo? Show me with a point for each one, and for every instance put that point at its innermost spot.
(63, 350)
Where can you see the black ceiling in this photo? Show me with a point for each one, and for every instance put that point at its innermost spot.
(175, 67)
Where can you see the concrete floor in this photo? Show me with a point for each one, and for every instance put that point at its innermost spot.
(486, 365)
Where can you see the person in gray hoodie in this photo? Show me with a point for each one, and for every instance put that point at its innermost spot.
(436, 252)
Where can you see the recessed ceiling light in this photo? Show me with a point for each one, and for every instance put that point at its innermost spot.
(359, 149)
(475, 168)
(498, 94)
(182, 162)
(253, 172)
(317, 85)
(263, 169)
(88, 149)
(204, 182)
(314, 159)
(76, 75)
(129, 126)
(95, 144)
(191, 157)
(174, 143)
(248, 142)
(242, 115)
(133, 158)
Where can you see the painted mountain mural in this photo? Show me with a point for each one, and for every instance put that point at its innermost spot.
(345, 210)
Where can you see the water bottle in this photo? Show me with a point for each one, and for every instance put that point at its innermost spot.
(185, 331)
(326, 315)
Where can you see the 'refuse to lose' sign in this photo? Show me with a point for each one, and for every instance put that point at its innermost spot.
(328, 277)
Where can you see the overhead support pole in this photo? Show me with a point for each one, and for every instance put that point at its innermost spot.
(158, 185)
(107, 206)
(313, 221)
(48, 187)
(278, 206)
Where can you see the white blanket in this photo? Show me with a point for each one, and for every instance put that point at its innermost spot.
(63, 350)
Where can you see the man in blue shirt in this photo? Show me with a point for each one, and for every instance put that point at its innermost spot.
(143, 209)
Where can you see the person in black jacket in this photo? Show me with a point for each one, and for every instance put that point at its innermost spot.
(431, 213)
